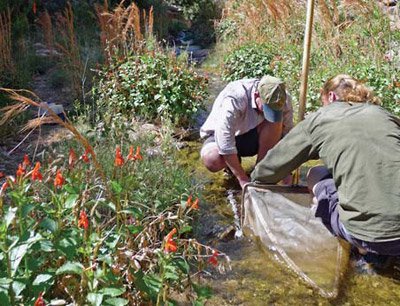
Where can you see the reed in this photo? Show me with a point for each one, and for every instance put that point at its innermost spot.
(69, 47)
(47, 28)
(122, 29)
(6, 61)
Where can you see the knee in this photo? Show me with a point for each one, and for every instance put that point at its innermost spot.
(316, 174)
(213, 161)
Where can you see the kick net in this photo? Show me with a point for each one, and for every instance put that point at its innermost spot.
(280, 218)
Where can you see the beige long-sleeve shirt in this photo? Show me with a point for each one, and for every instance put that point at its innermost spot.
(235, 113)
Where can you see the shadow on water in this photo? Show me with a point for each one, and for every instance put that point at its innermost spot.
(258, 277)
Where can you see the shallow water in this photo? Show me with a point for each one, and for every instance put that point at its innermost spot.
(258, 276)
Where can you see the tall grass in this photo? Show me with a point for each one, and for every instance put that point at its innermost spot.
(47, 28)
(124, 29)
(6, 61)
(69, 47)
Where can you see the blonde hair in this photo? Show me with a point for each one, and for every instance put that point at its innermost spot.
(349, 89)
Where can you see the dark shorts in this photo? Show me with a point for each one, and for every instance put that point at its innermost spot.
(327, 209)
(246, 144)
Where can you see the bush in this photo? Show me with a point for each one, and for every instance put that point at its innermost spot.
(250, 60)
(152, 85)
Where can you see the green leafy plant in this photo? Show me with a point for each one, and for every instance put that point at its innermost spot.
(151, 85)
(250, 60)
(89, 227)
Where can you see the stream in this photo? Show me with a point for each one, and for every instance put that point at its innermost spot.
(258, 276)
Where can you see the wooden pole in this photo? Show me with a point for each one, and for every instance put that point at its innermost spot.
(306, 59)
(304, 73)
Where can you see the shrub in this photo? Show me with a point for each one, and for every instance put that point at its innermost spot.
(151, 85)
(250, 60)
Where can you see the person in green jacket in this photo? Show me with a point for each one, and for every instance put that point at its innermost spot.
(357, 191)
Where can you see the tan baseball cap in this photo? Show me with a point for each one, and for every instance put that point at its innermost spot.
(272, 93)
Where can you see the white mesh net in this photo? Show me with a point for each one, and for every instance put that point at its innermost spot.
(280, 218)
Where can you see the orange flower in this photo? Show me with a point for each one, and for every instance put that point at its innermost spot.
(21, 170)
(137, 155)
(189, 201)
(59, 180)
(119, 161)
(36, 175)
(4, 187)
(26, 160)
(39, 301)
(1, 174)
(397, 84)
(170, 245)
(72, 157)
(171, 233)
(130, 155)
(83, 221)
(34, 12)
(85, 157)
(196, 204)
(213, 258)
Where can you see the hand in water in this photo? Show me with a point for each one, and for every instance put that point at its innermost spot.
(243, 182)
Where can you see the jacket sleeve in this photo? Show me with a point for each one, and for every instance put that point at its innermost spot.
(293, 150)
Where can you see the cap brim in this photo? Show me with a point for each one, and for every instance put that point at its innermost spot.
(272, 115)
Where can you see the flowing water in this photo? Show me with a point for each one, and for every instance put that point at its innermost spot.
(258, 276)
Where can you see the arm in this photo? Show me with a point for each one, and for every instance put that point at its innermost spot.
(293, 150)
(232, 161)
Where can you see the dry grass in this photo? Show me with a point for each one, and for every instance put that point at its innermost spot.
(47, 28)
(6, 61)
(282, 22)
(121, 29)
(69, 47)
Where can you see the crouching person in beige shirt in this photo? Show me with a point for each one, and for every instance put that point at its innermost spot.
(248, 118)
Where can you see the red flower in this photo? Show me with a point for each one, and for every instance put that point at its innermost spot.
(397, 84)
(26, 160)
(1, 174)
(72, 157)
(85, 157)
(34, 12)
(39, 301)
(119, 161)
(36, 175)
(3, 188)
(83, 221)
(170, 245)
(21, 170)
(137, 155)
(189, 201)
(130, 155)
(59, 180)
(213, 258)
(196, 204)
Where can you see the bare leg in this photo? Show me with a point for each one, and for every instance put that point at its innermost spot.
(211, 159)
